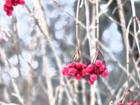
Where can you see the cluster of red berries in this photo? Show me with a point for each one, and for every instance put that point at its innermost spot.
(129, 103)
(79, 70)
(9, 4)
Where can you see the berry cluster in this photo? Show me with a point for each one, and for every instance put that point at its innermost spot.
(9, 4)
(129, 103)
(90, 72)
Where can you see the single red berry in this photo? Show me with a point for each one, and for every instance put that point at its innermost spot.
(71, 65)
(79, 66)
(99, 63)
(5, 7)
(64, 71)
(72, 71)
(91, 82)
(102, 69)
(93, 77)
(130, 103)
(136, 103)
(8, 3)
(9, 13)
(90, 68)
(105, 73)
(21, 2)
(119, 103)
(84, 72)
(14, 2)
(77, 76)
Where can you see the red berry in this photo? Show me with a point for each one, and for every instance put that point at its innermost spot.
(120, 103)
(102, 69)
(9, 13)
(8, 3)
(136, 103)
(64, 71)
(72, 71)
(91, 82)
(78, 76)
(105, 73)
(14, 2)
(90, 69)
(93, 77)
(84, 72)
(99, 63)
(21, 2)
(71, 65)
(130, 103)
(80, 66)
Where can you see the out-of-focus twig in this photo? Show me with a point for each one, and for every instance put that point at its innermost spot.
(17, 92)
(136, 70)
(77, 25)
(134, 23)
(3, 103)
(125, 34)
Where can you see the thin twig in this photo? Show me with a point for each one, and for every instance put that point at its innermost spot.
(125, 34)
(77, 25)
(134, 23)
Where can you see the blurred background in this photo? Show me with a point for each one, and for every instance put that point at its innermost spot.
(40, 38)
